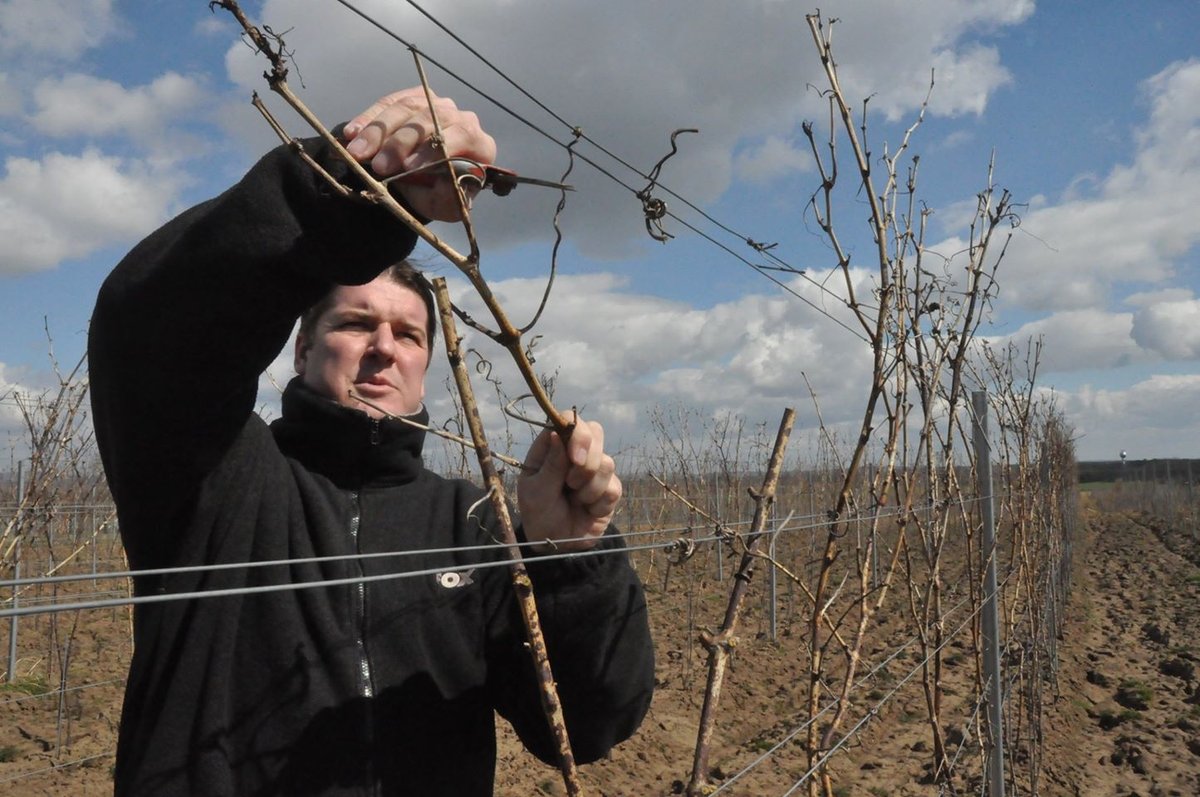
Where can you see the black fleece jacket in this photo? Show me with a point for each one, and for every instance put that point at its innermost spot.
(367, 680)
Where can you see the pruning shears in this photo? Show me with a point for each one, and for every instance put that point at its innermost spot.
(500, 181)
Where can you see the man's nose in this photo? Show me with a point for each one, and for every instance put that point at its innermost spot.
(382, 343)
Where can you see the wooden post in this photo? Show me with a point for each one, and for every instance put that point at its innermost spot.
(522, 585)
(720, 644)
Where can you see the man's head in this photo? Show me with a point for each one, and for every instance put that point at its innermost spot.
(373, 339)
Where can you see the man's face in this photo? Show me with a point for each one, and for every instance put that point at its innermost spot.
(371, 341)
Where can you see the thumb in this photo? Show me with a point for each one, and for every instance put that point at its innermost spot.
(547, 458)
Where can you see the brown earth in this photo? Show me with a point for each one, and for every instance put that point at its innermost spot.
(1132, 630)
(1122, 718)
(1128, 721)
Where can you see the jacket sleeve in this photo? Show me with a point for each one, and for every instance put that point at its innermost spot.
(593, 614)
(190, 318)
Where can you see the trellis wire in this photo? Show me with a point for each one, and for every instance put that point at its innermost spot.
(708, 539)
(874, 710)
(58, 767)
(576, 131)
(20, 611)
(56, 692)
(829, 706)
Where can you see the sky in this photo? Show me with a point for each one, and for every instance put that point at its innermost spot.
(115, 116)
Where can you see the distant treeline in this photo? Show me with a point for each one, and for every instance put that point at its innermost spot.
(1177, 470)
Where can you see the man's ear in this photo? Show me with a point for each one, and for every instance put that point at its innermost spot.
(300, 353)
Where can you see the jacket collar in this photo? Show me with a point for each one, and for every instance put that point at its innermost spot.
(346, 445)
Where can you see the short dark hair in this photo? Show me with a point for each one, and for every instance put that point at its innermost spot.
(402, 273)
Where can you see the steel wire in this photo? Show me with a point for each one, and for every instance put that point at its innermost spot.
(576, 132)
(133, 600)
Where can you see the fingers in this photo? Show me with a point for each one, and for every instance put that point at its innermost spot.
(591, 469)
(581, 466)
(395, 134)
(403, 115)
(587, 439)
(569, 492)
(535, 459)
(599, 496)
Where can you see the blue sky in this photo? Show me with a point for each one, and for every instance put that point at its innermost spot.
(116, 115)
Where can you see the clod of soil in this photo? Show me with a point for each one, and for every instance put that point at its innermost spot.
(1135, 695)
(1178, 668)
(1110, 717)
(1155, 633)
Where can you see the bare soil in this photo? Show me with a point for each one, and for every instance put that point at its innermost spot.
(1122, 715)
(1128, 721)
(1133, 629)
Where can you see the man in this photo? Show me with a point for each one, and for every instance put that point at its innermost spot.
(362, 679)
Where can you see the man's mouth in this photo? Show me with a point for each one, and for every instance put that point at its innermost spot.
(376, 381)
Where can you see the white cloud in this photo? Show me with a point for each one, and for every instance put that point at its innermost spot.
(55, 28)
(895, 68)
(12, 423)
(1174, 118)
(1081, 340)
(1172, 329)
(1137, 225)
(771, 159)
(736, 71)
(66, 206)
(620, 355)
(8, 411)
(1148, 298)
(79, 105)
(213, 24)
(1158, 416)
(741, 73)
(273, 380)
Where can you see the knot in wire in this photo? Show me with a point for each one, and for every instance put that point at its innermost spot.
(654, 208)
(681, 550)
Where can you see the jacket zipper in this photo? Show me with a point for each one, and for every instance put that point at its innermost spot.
(366, 687)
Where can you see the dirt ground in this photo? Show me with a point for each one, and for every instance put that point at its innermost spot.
(1123, 718)
(1128, 722)
(1132, 631)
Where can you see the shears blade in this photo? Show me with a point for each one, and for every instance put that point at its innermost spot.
(499, 180)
